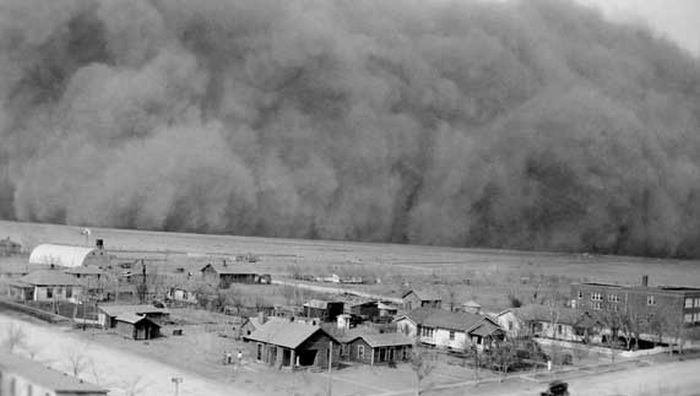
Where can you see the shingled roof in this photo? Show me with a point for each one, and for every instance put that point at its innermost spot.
(285, 333)
(384, 340)
(423, 295)
(46, 377)
(435, 317)
(48, 278)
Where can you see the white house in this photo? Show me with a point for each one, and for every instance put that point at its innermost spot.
(46, 285)
(450, 330)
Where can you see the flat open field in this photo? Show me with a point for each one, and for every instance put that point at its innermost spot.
(491, 274)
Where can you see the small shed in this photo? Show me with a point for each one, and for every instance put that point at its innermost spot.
(326, 311)
(137, 327)
(376, 349)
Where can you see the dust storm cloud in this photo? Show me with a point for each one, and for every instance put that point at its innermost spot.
(529, 125)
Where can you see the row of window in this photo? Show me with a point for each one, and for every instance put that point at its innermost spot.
(596, 296)
(429, 332)
(59, 291)
(692, 302)
(691, 317)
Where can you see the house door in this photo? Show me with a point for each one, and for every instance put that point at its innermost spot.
(308, 357)
(391, 354)
(382, 354)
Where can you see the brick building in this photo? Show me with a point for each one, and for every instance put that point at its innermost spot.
(671, 305)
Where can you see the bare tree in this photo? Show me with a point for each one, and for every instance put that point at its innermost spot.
(77, 359)
(134, 387)
(503, 356)
(16, 337)
(422, 363)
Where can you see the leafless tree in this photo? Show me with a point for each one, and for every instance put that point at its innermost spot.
(503, 356)
(77, 359)
(422, 363)
(16, 337)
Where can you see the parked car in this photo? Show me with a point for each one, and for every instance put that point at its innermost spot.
(556, 388)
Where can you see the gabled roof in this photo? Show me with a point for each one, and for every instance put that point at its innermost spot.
(485, 328)
(284, 333)
(60, 255)
(126, 310)
(435, 317)
(48, 278)
(471, 304)
(383, 340)
(230, 269)
(134, 319)
(46, 377)
(423, 295)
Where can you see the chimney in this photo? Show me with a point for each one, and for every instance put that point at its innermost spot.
(262, 318)
(225, 264)
(100, 243)
(645, 280)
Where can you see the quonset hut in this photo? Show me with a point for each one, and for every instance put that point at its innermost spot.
(69, 256)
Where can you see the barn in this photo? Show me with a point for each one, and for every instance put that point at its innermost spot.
(68, 256)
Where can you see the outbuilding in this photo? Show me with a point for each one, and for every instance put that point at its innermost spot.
(137, 327)
(69, 256)
(376, 349)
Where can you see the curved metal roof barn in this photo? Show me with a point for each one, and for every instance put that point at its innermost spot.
(60, 255)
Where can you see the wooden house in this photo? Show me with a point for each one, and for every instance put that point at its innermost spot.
(292, 345)
(450, 330)
(222, 276)
(374, 349)
(414, 299)
(45, 285)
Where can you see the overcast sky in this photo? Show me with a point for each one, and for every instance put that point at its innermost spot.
(677, 19)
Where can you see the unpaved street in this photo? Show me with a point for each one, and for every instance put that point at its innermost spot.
(123, 373)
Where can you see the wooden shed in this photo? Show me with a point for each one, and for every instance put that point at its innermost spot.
(137, 327)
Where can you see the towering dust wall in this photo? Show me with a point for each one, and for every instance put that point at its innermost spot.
(532, 124)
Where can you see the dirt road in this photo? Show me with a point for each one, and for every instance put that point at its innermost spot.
(120, 372)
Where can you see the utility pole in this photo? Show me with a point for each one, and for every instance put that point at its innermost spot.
(330, 368)
(177, 381)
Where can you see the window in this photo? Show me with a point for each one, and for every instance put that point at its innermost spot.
(259, 352)
(697, 303)
(59, 290)
(597, 305)
(651, 300)
(49, 292)
(452, 335)
(69, 292)
(558, 329)
(596, 296)
(426, 332)
(510, 326)
(580, 294)
(689, 303)
(360, 352)
(613, 298)
(696, 317)
(688, 318)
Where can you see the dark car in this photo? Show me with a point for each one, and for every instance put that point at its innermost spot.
(557, 388)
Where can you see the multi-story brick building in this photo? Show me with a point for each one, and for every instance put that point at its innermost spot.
(672, 305)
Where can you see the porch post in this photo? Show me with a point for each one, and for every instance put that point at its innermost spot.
(371, 357)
